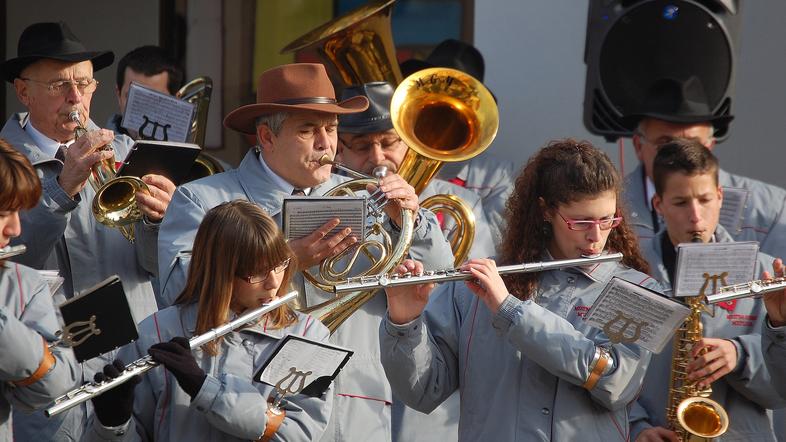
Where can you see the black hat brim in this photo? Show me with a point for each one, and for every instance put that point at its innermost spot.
(381, 125)
(12, 68)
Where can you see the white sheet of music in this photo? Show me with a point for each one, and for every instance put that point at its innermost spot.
(319, 358)
(629, 313)
(734, 200)
(302, 215)
(737, 260)
(149, 106)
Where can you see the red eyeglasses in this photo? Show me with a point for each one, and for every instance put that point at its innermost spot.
(583, 225)
(262, 278)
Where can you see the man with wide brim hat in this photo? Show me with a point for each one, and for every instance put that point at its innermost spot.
(294, 121)
(486, 174)
(368, 140)
(52, 76)
(678, 108)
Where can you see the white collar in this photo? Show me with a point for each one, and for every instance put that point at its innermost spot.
(649, 191)
(47, 145)
(280, 182)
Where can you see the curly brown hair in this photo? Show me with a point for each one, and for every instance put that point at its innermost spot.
(562, 172)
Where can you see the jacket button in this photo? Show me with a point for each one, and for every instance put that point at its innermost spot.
(545, 411)
(571, 280)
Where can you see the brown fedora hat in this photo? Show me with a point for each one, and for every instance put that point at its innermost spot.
(299, 86)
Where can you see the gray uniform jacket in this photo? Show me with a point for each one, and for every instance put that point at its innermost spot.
(27, 323)
(520, 372)
(229, 406)
(746, 392)
(764, 216)
(483, 245)
(492, 179)
(62, 233)
(361, 410)
(773, 344)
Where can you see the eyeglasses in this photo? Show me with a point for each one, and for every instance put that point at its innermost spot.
(582, 225)
(61, 87)
(364, 146)
(279, 269)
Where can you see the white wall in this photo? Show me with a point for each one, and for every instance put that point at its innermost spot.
(114, 25)
(534, 53)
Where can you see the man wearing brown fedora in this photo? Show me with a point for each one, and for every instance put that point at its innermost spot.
(295, 121)
(674, 108)
(53, 77)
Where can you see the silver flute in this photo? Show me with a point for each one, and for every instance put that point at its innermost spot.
(9, 251)
(437, 276)
(747, 290)
(141, 365)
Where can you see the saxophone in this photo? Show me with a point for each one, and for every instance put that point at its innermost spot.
(690, 412)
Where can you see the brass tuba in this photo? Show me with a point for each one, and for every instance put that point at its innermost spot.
(114, 203)
(198, 92)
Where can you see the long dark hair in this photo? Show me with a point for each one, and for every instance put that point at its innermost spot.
(562, 172)
(235, 239)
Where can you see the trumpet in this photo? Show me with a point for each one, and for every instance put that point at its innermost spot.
(747, 289)
(9, 251)
(437, 276)
(142, 365)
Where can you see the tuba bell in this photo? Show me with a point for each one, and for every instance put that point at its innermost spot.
(356, 47)
(198, 91)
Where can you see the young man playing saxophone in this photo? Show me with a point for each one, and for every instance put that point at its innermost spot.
(689, 198)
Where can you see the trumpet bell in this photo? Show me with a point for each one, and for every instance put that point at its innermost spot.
(356, 47)
(115, 205)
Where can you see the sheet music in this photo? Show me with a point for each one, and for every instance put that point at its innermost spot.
(734, 201)
(302, 215)
(53, 280)
(736, 259)
(321, 359)
(630, 313)
(160, 110)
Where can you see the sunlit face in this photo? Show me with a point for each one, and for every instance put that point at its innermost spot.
(10, 227)
(294, 153)
(690, 205)
(655, 133)
(249, 295)
(570, 244)
(364, 152)
(157, 82)
(49, 114)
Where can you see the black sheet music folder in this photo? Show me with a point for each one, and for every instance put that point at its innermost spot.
(168, 158)
(315, 387)
(98, 320)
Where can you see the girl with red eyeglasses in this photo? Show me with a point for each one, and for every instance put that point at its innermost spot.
(527, 366)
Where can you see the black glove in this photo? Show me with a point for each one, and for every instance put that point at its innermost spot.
(176, 356)
(113, 407)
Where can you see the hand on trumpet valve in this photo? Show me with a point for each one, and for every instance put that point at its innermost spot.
(712, 359)
(406, 303)
(113, 408)
(316, 247)
(154, 204)
(775, 302)
(487, 285)
(176, 356)
(80, 157)
(396, 189)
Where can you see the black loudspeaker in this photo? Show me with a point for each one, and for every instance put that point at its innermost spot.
(631, 44)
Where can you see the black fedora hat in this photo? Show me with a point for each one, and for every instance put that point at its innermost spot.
(677, 101)
(54, 41)
(374, 119)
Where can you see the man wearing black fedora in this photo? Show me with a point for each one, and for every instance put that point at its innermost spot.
(53, 77)
(486, 174)
(674, 108)
(294, 120)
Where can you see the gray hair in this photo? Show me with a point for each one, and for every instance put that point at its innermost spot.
(640, 128)
(274, 121)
